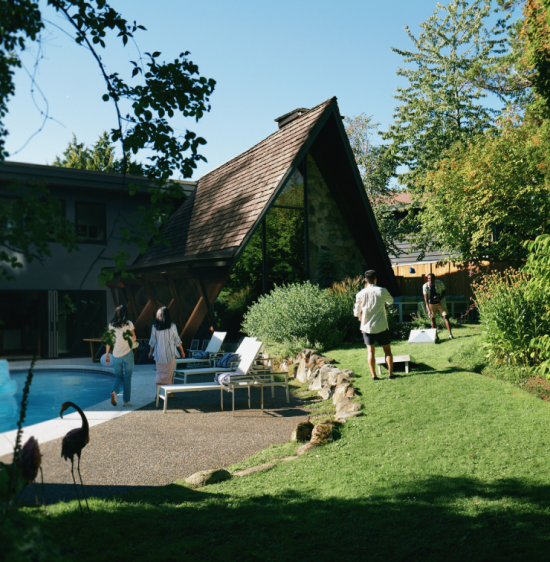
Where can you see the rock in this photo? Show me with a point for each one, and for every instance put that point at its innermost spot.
(344, 406)
(340, 391)
(325, 393)
(332, 378)
(313, 360)
(305, 448)
(322, 433)
(316, 383)
(345, 415)
(349, 373)
(206, 477)
(350, 393)
(328, 360)
(301, 371)
(328, 369)
(252, 470)
(289, 458)
(343, 377)
(305, 354)
(302, 432)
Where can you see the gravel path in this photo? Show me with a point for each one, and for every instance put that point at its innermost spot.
(147, 448)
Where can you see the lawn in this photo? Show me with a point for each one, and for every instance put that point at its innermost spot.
(445, 464)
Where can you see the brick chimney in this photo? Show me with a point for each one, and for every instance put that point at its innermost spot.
(289, 117)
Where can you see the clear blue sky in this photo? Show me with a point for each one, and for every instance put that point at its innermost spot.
(268, 57)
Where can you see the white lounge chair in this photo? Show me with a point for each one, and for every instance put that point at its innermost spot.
(248, 351)
(213, 348)
(180, 374)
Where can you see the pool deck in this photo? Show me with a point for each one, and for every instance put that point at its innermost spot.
(143, 391)
(148, 448)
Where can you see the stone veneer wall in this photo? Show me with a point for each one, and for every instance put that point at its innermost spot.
(327, 229)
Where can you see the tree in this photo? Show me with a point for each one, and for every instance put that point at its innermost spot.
(441, 105)
(488, 197)
(377, 166)
(101, 157)
(143, 112)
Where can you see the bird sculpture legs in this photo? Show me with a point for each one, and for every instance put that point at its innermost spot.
(75, 488)
(83, 489)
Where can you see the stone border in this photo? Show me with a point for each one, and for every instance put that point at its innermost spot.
(330, 383)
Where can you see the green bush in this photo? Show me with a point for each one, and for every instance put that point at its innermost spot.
(296, 312)
(513, 316)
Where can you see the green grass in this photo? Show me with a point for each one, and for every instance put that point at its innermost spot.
(446, 464)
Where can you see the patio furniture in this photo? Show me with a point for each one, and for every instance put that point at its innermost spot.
(247, 378)
(396, 359)
(205, 345)
(245, 360)
(212, 348)
(194, 346)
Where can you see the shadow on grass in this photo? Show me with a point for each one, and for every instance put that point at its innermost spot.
(437, 518)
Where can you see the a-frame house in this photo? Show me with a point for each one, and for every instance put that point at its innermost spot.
(285, 210)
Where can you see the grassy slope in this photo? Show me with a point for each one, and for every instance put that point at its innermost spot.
(443, 465)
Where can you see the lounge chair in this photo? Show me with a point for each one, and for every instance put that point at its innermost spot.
(212, 348)
(204, 344)
(182, 373)
(248, 349)
(194, 346)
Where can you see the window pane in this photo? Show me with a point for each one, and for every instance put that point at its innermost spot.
(90, 221)
(292, 194)
(285, 239)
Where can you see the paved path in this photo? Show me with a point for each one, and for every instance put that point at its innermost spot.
(148, 448)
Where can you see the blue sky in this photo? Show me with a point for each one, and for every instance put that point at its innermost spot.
(268, 57)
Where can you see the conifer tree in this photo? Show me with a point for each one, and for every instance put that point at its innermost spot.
(441, 105)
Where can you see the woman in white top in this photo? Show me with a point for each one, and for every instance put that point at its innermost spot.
(123, 356)
(163, 343)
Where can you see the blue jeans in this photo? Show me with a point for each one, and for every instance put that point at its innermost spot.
(126, 361)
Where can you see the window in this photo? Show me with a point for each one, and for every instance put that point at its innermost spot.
(90, 222)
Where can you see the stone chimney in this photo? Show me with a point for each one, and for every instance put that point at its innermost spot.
(289, 117)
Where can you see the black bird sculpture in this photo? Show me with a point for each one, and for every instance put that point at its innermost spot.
(72, 445)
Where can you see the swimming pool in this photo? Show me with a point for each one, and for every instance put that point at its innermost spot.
(50, 388)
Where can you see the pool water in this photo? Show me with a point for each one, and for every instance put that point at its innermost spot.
(50, 389)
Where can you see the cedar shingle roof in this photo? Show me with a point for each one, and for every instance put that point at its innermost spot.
(229, 200)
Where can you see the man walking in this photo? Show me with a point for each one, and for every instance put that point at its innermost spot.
(434, 297)
(371, 310)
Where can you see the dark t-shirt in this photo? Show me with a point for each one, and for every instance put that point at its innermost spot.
(433, 298)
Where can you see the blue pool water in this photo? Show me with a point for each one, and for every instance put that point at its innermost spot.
(50, 389)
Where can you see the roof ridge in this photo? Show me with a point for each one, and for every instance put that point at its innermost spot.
(286, 128)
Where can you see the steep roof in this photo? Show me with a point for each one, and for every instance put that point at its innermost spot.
(229, 200)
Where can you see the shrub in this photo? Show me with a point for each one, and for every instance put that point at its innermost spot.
(294, 312)
(512, 317)
(343, 294)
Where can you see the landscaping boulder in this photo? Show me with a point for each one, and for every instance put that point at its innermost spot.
(344, 406)
(316, 383)
(322, 433)
(253, 469)
(305, 354)
(301, 371)
(350, 392)
(346, 415)
(205, 477)
(340, 391)
(332, 379)
(325, 393)
(302, 432)
(328, 369)
(345, 376)
(306, 448)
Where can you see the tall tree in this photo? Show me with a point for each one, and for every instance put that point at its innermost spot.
(101, 157)
(441, 105)
(143, 111)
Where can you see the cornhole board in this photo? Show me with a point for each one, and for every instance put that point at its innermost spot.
(423, 336)
(396, 359)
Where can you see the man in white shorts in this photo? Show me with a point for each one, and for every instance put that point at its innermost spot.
(370, 308)
(434, 297)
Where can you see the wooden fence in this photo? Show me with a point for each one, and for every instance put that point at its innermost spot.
(457, 279)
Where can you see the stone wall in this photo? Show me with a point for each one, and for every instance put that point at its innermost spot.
(327, 229)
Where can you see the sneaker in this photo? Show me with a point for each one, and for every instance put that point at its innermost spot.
(127, 403)
(451, 337)
(113, 398)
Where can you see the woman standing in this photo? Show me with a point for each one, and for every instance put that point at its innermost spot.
(123, 356)
(163, 343)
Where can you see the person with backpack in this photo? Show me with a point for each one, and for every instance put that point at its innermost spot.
(370, 308)
(163, 344)
(123, 355)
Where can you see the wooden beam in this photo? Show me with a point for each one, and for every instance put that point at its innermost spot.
(146, 314)
(176, 299)
(194, 322)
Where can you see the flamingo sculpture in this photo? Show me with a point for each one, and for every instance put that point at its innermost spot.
(72, 445)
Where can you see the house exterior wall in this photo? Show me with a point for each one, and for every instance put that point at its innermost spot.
(327, 229)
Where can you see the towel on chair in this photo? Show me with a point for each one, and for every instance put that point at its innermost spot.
(226, 378)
